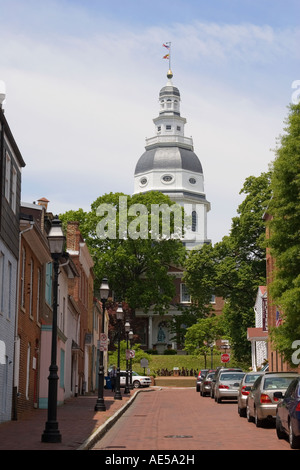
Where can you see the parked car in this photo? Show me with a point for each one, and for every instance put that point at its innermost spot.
(199, 379)
(206, 383)
(288, 414)
(137, 379)
(217, 373)
(248, 380)
(261, 402)
(227, 385)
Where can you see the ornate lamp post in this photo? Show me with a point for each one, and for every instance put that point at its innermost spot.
(130, 335)
(127, 329)
(120, 317)
(100, 405)
(56, 242)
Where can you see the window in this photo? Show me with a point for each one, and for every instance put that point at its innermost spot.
(178, 128)
(23, 278)
(9, 280)
(31, 287)
(2, 278)
(168, 127)
(14, 190)
(194, 221)
(48, 287)
(38, 295)
(7, 176)
(28, 371)
(184, 294)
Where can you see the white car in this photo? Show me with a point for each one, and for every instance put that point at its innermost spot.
(137, 380)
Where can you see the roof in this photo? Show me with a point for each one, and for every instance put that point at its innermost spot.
(168, 158)
(256, 334)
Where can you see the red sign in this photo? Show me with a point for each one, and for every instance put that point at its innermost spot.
(225, 357)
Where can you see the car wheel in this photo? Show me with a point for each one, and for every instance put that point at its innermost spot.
(136, 384)
(279, 431)
(293, 440)
(241, 412)
(249, 417)
(219, 400)
(258, 422)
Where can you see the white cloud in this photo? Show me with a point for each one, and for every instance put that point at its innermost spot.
(81, 107)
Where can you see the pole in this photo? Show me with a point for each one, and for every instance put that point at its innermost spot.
(51, 432)
(100, 405)
(127, 366)
(118, 395)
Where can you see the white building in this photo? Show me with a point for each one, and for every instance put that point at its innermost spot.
(259, 335)
(169, 165)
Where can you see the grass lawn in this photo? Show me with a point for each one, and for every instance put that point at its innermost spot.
(169, 362)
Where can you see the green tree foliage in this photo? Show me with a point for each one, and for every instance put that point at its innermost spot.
(200, 336)
(136, 268)
(284, 239)
(235, 267)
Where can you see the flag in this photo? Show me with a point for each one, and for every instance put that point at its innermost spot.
(166, 56)
(278, 318)
(167, 46)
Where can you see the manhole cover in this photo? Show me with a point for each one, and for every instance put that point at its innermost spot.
(178, 436)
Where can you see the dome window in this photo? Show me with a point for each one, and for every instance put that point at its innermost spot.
(143, 181)
(168, 127)
(192, 181)
(167, 179)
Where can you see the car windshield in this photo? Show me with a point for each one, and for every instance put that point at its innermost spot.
(272, 383)
(249, 379)
(210, 376)
(231, 376)
(134, 373)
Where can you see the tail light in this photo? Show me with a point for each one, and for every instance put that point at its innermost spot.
(298, 407)
(223, 386)
(244, 392)
(264, 398)
(206, 382)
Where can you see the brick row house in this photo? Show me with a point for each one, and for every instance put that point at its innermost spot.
(78, 320)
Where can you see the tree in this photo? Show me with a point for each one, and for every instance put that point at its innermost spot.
(201, 336)
(235, 267)
(284, 239)
(132, 247)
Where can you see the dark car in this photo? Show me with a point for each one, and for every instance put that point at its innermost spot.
(201, 375)
(288, 414)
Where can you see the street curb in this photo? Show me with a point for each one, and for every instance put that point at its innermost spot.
(99, 433)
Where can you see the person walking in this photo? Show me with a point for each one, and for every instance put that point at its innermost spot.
(113, 378)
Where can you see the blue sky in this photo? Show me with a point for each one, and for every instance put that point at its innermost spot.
(83, 77)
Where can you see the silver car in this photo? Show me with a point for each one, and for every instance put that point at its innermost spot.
(248, 380)
(205, 385)
(227, 385)
(261, 403)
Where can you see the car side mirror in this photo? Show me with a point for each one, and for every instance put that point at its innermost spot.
(248, 388)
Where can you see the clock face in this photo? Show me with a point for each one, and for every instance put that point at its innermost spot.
(192, 181)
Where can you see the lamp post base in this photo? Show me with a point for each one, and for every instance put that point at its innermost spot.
(100, 405)
(51, 433)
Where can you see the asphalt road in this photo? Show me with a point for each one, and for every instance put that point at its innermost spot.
(179, 418)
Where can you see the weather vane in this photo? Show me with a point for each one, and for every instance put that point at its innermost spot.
(167, 45)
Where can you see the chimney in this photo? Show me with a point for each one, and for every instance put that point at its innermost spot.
(43, 202)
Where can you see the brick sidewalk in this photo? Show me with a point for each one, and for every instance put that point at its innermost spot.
(77, 422)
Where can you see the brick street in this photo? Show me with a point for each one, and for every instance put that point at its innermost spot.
(180, 419)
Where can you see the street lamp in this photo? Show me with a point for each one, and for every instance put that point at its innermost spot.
(127, 329)
(130, 336)
(120, 317)
(56, 242)
(100, 405)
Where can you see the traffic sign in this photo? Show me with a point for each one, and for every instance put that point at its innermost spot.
(225, 357)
